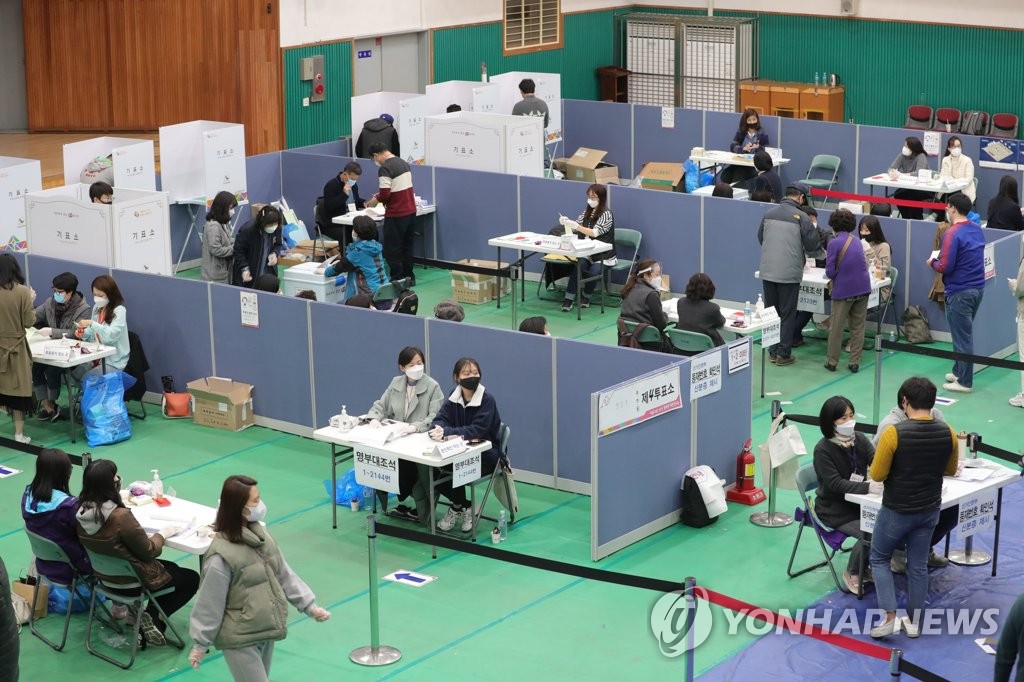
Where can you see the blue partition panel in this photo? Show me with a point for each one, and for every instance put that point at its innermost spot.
(182, 216)
(582, 369)
(994, 327)
(878, 148)
(176, 332)
(516, 369)
(731, 251)
(542, 201)
(670, 223)
(42, 270)
(651, 142)
(303, 177)
(472, 208)
(723, 419)
(643, 462)
(422, 180)
(263, 176)
(273, 358)
(721, 126)
(350, 369)
(801, 140)
(600, 125)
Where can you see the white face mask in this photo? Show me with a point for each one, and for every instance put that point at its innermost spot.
(350, 182)
(592, 203)
(656, 282)
(100, 302)
(270, 230)
(955, 152)
(231, 213)
(354, 237)
(414, 373)
(846, 429)
(906, 150)
(257, 513)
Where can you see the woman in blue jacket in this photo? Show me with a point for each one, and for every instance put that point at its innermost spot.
(48, 509)
(363, 259)
(472, 413)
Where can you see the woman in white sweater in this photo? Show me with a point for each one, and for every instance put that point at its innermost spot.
(957, 166)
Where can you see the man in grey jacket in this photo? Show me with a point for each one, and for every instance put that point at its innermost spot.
(787, 237)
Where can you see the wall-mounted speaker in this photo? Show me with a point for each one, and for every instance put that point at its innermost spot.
(848, 7)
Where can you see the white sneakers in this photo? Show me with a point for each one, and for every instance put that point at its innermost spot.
(22, 438)
(887, 628)
(1017, 400)
(448, 522)
(956, 387)
(950, 377)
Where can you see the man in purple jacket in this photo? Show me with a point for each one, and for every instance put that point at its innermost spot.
(962, 264)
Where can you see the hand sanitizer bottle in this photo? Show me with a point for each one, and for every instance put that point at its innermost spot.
(759, 306)
(156, 488)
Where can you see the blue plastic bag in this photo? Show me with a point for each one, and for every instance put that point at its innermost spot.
(691, 176)
(103, 411)
(347, 489)
(57, 602)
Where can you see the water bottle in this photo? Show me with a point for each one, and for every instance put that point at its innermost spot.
(367, 498)
(748, 313)
(502, 526)
(817, 80)
(759, 306)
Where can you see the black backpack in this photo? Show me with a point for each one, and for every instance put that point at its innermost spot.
(973, 123)
(408, 302)
(695, 512)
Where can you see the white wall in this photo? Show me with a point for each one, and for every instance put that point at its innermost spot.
(311, 21)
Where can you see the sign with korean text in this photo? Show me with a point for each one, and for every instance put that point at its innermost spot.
(410, 121)
(133, 166)
(524, 141)
(772, 332)
(739, 354)
(376, 469)
(811, 298)
(706, 374)
(976, 513)
(224, 162)
(869, 513)
(142, 239)
(250, 305)
(990, 261)
(67, 228)
(465, 469)
(637, 401)
(459, 143)
(18, 177)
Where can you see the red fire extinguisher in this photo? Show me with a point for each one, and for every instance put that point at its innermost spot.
(743, 490)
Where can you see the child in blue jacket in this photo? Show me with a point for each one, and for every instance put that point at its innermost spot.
(362, 258)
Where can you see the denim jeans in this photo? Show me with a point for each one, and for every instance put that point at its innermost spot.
(961, 309)
(587, 269)
(891, 529)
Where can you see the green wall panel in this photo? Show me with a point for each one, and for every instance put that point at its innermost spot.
(320, 121)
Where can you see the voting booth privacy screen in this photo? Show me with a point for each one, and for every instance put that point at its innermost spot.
(486, 142)
(198, 159)
(548, 88)
(132, 161)
(18, 177)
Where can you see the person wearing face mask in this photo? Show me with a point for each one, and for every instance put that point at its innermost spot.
(363, 259)
(641, 300)
(257, 247)
(413, 398)
(878, 250)
(825, 235)
(911, 459)
(242, 604)
(841, 461)
(218, 244)
(847, 269)
(596, 222)
(57, 317)
(396, 193)
(749, 139)
(472, 413)
(106, 526)
(912, 158)
(956, 165)
(338, 193)
(962, 264)
(107, 325)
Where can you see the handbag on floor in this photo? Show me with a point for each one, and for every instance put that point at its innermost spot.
(174, 405)
(915, 325)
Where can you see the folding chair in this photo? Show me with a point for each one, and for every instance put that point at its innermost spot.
(627, 252)
(649, 334)
(689, 343)
(48, 550)
(137, 367)
(806, 482)
(501, 470)
(391, 290)
(1004, 125)
(827, 163)
(947, 119)
(919, 117)
(133, 593)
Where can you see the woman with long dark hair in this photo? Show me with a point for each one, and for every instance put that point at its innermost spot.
(1004, 209)
(257, 247)
(48, 508)
(218, 244)
(16, 314)
(597, 222)
(107, 325)
(242, 605)
(912, 159)
(105, 526)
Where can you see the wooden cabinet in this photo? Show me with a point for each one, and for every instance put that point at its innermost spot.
(823, 103)
(794, 100)
(614, 83)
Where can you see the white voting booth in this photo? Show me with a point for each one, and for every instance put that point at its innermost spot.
(132, 159)
(411, 113)
(373, 104)
(18, 177)
(487, 142)
(548, 89)
(133, 233)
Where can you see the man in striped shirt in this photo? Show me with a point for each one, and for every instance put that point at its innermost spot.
(399, 199)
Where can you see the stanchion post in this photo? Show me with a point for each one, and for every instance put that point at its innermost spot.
(894, 663)
(375, 654)
(770, 518)
(968, 556)
(691, 617)
(876, 409)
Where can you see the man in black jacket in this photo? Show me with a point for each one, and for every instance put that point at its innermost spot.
(337, 193)
(381, 129)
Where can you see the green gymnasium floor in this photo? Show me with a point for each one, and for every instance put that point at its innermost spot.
(480, 619)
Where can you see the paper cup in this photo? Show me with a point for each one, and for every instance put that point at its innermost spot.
(354, 503)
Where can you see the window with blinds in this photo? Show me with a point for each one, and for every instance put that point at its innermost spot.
(532, 25)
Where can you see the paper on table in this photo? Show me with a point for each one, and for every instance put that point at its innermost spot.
(369, 435)
(974, 474)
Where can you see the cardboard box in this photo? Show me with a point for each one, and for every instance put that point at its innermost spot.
(664, 176)
(469, 287)
(308, 250)
(222, 403)
(25, 590)
(587, 165)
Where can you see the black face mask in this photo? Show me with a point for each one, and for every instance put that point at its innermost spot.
(469, 383)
